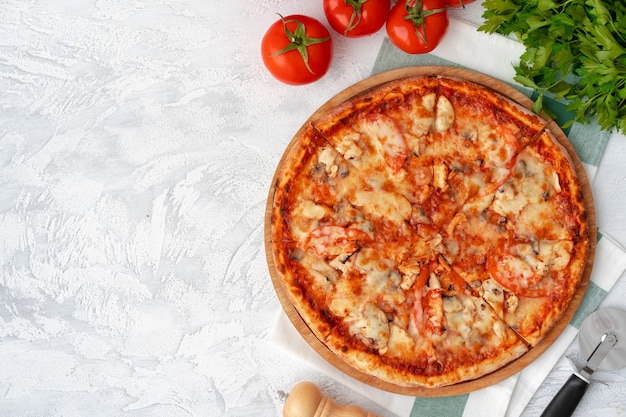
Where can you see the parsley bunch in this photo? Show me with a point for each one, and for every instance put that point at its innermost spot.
(575, 49)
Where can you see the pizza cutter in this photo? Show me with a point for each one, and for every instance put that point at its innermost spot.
(601, 339)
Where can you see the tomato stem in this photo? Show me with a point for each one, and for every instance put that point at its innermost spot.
(299, 41)
(418, 16)
(355, 18)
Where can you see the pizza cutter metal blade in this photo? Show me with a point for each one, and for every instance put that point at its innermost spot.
(602, 339)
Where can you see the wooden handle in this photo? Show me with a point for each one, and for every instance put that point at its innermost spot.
(306, 400)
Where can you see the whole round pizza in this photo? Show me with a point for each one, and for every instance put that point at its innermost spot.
(428, 231)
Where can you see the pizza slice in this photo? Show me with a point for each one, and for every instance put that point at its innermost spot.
(524, 247)
(482, 133)
(531, 302)
(385, 137)
(541, 265)
(474, 142)
(378, 131)
(455, 334)
(333, 233)
(484, 117)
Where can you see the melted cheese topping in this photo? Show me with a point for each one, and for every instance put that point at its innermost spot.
(538, 219)
(531, 182)
(384, 204)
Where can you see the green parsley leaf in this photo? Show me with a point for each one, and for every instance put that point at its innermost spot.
(575, 50)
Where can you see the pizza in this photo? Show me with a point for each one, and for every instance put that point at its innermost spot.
(428, 231)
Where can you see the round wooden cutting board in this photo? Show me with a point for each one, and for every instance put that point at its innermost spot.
(511, 368)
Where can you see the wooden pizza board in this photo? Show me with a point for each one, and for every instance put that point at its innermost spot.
(511, 368)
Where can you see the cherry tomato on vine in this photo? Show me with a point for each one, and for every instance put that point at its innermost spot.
(297, 49)
(417, 26)
(458, 3)
(354, 18)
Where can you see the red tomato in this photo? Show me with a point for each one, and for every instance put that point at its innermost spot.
(354, 18)
(458, 3)
(417, 26)
(297, 49)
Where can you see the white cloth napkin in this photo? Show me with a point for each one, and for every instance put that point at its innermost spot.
(493, 55)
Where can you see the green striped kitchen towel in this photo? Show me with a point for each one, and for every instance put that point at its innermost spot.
(493, 55)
